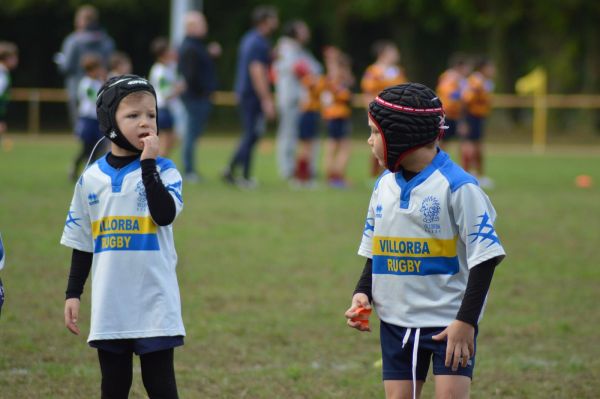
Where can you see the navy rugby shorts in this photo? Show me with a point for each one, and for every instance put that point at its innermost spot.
(397, 361)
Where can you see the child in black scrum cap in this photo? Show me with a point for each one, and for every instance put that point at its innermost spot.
(431, 249)
(120, 226)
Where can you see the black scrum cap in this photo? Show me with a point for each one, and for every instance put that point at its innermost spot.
(109, 97)
(408, 116)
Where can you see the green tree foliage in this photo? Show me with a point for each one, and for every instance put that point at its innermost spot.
(562, 35)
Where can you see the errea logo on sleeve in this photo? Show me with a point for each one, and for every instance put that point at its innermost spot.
(93, 199)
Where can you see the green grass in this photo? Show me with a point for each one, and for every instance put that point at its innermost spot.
(265, 278)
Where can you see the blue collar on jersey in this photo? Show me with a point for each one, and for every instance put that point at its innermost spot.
(407, 186)
(117, 175)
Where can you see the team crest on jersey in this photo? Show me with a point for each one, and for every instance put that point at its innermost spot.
(93, 199)
(430, 211)
(379, 211)
(142, 202)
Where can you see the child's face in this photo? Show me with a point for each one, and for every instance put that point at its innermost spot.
(391, 55)
(489, 71)
(98, 73)
(12, 62)
(124, 68)
(375, 141)
(136, 117)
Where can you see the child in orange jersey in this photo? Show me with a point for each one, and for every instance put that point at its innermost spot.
(310, 72)
(478, 103)
(335, 110)
(451, 84)
(385, 72)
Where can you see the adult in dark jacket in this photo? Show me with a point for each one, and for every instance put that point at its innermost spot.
(88, 37)
(197, 68)
(252, 87)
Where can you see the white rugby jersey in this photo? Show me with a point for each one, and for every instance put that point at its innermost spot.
(163, 78)
(134, 285)
(423, 236)
(86, 96)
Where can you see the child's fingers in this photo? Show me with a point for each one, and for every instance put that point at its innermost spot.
(441, 336)
(350, 314)
(73, 328)
(357, 325)
(465, 355)
(457, 357)
(471, 348)
(449, 352)
(71, 314)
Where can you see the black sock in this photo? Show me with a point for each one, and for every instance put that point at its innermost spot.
(158, 374)
(117, 374)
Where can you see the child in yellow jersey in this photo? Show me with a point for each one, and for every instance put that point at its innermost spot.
(385, 72)
(335, 110)
(477, 97)
(310, 106)
(451, 84)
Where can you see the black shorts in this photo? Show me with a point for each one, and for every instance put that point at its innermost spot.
(139, 346)
(338, 128)
(475, 124)
(397, 360)
(450, 133)
(309, 125)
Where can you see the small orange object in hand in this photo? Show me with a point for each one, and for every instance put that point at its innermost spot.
(362, 316)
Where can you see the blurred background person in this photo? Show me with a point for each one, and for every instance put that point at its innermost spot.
(197, 69)
(478, 103)
(336, 111)
(451, 84)
(119, 64)
(384, 72)
(310, 72)
(163, 76)
(88, 37)
(9, 59)
(87, 128)
(291, 62)
(252, 87)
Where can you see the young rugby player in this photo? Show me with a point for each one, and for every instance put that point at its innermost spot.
(431, 249)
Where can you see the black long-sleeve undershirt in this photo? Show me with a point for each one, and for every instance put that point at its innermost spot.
(478, 284)
(160, 204)
(81, 263)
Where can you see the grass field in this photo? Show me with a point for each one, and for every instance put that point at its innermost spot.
(266, 275)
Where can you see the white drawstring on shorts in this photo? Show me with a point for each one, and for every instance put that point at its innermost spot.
(414, 356)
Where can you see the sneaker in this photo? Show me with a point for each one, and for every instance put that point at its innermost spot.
(338, 183)
(246, 184)
(228, 177)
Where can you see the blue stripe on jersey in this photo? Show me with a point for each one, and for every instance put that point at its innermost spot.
(126, 242)
(165, 164)
(117, 175)
(405, 265)
(456, 176)
(407, 187)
